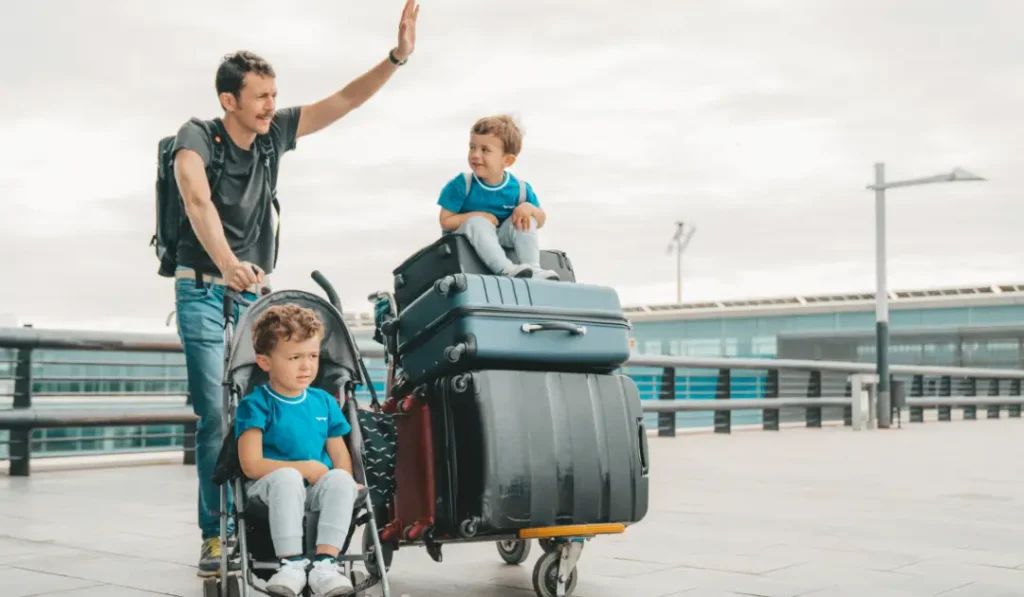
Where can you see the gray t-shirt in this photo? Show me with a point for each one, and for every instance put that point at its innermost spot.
(242, 197)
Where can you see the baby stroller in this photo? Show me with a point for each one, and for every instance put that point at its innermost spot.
(341, 372)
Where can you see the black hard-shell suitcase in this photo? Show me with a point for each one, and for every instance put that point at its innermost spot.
(472, 321)
(452, 254)
(532, 449)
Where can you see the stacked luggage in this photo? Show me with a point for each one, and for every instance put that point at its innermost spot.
(508, 409)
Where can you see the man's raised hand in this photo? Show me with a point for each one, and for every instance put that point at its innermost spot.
(407, 30)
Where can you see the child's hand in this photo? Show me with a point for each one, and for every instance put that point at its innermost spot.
(313, 470)
(521, 216)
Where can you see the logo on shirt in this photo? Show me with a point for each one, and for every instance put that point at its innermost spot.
(321, 418)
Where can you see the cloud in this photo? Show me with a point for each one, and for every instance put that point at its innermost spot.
(758, 121)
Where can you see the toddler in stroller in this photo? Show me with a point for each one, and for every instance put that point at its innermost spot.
(294, 458)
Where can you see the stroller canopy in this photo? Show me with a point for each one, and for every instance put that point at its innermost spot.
(339, 356)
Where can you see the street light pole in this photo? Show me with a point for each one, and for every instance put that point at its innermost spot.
(882, 293)
(679, 241)
(881, 304)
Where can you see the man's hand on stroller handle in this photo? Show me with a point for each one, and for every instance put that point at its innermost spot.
(243, 276)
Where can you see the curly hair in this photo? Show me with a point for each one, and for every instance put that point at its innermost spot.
(283, 323)
(504, 128)
(233, 68)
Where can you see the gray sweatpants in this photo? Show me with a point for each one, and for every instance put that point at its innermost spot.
(285, 494)
(489, 241)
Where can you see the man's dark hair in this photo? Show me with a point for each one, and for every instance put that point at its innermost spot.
(233, 68)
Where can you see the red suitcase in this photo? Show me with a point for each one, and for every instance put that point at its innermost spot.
(415, 492)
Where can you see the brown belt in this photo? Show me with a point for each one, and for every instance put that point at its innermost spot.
(189, 274)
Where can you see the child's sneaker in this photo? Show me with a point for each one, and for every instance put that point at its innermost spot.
(289, 580)
(326, 580)
(545, 274)
(519, 271)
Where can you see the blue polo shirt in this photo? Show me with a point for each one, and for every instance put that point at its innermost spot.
(499, 200)
(294, 428)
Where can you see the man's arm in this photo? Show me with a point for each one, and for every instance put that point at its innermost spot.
(255, 466)
(190, 174)
(327, 111)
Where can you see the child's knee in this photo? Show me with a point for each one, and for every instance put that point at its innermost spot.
(477, 223)
(340, 481)
(286, 480)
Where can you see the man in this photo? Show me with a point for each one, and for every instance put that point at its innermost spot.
(232, 240)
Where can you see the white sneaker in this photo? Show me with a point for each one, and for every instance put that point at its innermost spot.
(519, 270)
(289, 580)
(545, 274)
(326, 580)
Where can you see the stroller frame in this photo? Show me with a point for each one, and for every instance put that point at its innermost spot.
(237, 565)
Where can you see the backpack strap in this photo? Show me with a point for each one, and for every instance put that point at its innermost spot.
(215, 168)
(522, 191)
(469, 181)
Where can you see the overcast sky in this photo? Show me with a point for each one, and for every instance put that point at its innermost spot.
(758, 120)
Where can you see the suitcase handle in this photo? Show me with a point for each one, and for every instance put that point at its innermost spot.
(561, 326)
(645, 465)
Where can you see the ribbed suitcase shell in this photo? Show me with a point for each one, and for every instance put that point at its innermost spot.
(470, 321)
(529, 449)
(452, 254)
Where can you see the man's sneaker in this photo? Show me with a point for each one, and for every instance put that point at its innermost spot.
(519, 271)
(209, 557)
(289, 580)
(326, 580)
(545, 274)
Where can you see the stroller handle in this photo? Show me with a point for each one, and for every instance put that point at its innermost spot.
(328, 289)
(233, 297)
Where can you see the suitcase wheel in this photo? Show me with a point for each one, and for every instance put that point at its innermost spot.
(468, 528)
(456, 283)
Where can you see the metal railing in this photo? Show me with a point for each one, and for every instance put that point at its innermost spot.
(720, 392)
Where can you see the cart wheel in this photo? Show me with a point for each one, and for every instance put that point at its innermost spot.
(235, 585)
(514, 552)
(357, 578)
(211, 587)
(545, 576)
(548, 545)
(371, 557)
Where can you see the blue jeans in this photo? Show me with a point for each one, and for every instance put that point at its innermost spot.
(200, 312)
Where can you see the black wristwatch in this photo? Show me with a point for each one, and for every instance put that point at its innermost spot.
(395, 61)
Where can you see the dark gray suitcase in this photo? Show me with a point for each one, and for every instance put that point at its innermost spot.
(532, 449)
(471, 321)
(452, 254)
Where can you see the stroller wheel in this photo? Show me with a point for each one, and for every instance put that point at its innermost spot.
(514, 552)
(371, 557)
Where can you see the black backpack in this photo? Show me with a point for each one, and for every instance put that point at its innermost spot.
(170, 207)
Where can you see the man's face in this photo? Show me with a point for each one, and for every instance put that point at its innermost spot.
(256, 102)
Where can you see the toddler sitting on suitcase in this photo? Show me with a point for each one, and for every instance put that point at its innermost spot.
(493, 208)
(292, 450)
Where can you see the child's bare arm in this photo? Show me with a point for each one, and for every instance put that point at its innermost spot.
(255, 466)
(451, 221)
(339, 453)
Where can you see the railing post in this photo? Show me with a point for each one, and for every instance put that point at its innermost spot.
(21, 439)
(945, 391)
(971, 389)
(770, 416)
(860, 406)
(1014, 409)
(667, 391)
(993, 390)
(189, 442)
(917, 391)
(814, 391)
(723, 391)
(848, 409)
